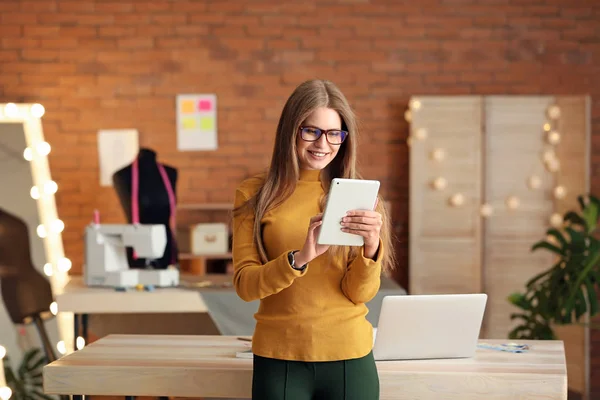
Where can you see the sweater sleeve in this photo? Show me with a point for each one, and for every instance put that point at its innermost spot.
(361, 282)
(252, 279)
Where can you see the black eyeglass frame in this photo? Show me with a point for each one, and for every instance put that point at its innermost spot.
(323, 132)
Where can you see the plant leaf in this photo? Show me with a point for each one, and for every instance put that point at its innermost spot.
(558, 235)
(592, 297)
(548, 246)
(591, 263)
(575, 219)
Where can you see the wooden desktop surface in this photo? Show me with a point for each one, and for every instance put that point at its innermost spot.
(206, 366)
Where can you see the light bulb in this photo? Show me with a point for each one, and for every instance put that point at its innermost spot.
(41, 231)
(50, 187)
(457, 200)
(421, 134)
(60, 346)
(43, 148)
(512, 202)
(54, 308)
(486, 210)
(35, 193)
(547, 127)
(548, 156)
(556, 220)
(37, 110)
(439, 183)
(560, 192)
(438, 154)
(534, 182)
(553, 138)
(48, 270)
(80, 343)
(554, 112)
(415, 105)
(28, 154)
(2, 352)
(408, 116)
(57, 226)
(11, 110)
(553, 165)
(64, 264)
(5, 393)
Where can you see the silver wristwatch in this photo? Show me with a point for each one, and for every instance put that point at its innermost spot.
(292, 261)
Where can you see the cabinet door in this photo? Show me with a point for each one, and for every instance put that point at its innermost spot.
(445, 240)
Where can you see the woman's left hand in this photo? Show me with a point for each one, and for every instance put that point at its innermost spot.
(366, 224)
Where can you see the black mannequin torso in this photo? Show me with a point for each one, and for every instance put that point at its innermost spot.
(153, 200)
(26, 293)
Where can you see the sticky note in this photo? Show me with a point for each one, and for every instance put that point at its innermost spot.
(207, 123)
(204, 105)
(189, 123)
(187, 106)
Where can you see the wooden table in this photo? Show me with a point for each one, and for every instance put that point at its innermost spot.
(206, 366)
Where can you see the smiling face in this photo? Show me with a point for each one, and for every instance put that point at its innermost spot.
(318, 154)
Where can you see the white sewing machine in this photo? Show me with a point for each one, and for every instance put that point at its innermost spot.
(106, 255)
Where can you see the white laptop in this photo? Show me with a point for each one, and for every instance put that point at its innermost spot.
(429, 326)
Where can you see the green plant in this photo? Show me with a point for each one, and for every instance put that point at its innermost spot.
(26, 384)
(566, 291)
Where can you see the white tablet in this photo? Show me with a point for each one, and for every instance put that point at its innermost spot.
(346, 195)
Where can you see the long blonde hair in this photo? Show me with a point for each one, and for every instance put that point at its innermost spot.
(284, 171)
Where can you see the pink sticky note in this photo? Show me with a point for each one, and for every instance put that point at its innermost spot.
(204, 105)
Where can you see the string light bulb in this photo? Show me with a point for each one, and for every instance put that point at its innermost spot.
(457, 199)
(513, 202)
(486, 210)
(547, 127)
(57, 226)
(438, 155)
(554, 112)
(415, 105)
(80, 342)
(48, 270)
(556, 220)
(553, 138)
(408, 116)
(439, 183)
(50, 187)
(560, 192)
(421, 134)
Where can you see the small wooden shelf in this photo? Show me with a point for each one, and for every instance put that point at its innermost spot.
(206, 206)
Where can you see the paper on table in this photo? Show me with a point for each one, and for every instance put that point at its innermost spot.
(116, 149)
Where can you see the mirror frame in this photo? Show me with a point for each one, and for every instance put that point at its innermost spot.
(57, 265)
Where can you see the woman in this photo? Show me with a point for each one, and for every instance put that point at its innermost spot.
(312, 340)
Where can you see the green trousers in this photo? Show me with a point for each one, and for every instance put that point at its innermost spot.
(355, 379)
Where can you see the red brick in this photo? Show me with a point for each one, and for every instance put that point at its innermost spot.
(113, 7)
(18, 18)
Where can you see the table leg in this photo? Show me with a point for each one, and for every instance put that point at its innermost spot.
(75, 335)
(84, 327)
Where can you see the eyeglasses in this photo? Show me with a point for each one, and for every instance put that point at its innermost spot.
(312, 134)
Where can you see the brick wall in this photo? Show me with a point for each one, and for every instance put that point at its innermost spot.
(119, 64)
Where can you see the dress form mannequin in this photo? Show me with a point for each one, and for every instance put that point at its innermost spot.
(26, 293)
(153, 203)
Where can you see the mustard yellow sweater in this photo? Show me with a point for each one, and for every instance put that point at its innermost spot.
(314, 315)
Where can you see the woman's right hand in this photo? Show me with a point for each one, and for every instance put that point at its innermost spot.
(311, 249)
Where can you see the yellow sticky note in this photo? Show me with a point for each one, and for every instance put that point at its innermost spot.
(206, 123)
(189, 123)
(187, 106)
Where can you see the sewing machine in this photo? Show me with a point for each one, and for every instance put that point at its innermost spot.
(106, 255)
